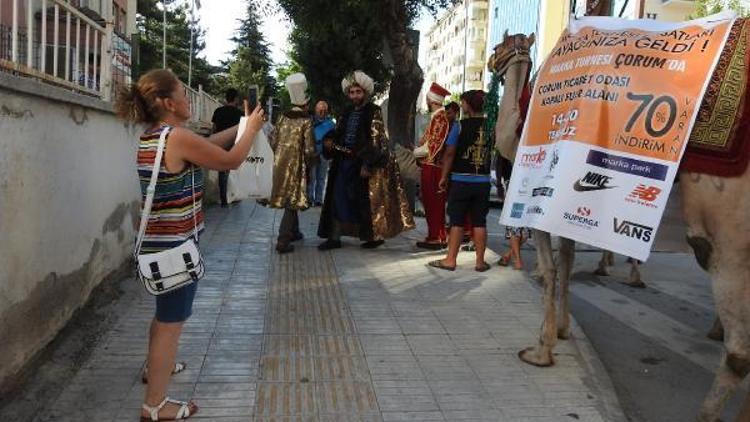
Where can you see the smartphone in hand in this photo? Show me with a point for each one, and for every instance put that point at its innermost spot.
(253, 96)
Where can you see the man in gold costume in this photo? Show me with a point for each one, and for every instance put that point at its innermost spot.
(365, 196)
(293, 144)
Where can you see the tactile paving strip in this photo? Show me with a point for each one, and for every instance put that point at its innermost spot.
(313, 366)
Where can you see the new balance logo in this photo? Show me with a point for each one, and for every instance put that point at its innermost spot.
(645, 193)
(593, 181)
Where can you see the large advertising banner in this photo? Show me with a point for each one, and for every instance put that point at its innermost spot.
(610, 115)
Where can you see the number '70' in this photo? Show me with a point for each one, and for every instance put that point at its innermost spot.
(651, 106)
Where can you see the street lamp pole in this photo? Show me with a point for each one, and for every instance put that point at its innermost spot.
(164, 35)
(190, 59)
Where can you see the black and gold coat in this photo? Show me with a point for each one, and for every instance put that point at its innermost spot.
(293, 144)
(382, 199)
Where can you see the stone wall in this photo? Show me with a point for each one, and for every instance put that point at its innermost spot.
(69, 203)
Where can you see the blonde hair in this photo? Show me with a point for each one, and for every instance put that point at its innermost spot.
(139, 103)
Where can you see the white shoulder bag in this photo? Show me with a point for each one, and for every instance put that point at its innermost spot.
(168, 270)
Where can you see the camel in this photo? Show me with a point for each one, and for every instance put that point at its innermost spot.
(715, 210)
(608, 260)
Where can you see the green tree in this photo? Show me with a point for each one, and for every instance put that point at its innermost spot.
(149, 56)
(250, 62)
(372, 35)
(709, 7)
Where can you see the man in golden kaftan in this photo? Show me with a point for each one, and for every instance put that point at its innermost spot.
(294, 145)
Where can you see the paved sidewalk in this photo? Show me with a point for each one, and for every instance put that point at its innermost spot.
(352, 335)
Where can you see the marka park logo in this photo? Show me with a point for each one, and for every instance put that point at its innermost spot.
(644, 195)
(593, 182)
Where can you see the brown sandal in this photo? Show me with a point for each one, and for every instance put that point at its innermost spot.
(439, 264)
(482, 268)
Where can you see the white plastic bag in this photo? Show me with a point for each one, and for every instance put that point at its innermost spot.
(254, 178)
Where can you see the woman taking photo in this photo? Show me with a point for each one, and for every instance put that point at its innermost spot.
(159, 101)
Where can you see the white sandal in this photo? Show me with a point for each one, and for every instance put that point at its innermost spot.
(178, 367)
(183, 413)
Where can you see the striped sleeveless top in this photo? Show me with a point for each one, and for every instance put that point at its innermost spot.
(171, 220)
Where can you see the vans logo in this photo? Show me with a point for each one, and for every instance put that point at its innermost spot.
(633, 230)
(592, 182)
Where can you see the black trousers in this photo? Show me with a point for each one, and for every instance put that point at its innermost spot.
(223, 178)
(289, 227)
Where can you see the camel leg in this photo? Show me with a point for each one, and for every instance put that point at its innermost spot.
(635, 275)
(744, 415)
(567, 257)
(717, 332)
(732, 295)
(541, 354)
(606, 261)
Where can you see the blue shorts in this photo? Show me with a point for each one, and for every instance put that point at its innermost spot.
(176, 306)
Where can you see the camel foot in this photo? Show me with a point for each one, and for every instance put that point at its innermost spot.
(601, 272)
(533, 357)
(716, 335)
(637, 284)
(717, 331)
(563, 333)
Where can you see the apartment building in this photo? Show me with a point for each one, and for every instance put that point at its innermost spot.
(456, 48)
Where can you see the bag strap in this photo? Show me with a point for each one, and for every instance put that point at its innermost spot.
(151, 190)
(195, 210)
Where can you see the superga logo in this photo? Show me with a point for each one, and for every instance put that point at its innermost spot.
(534, 159)
(543, 191)
(633, 230)
(581, 218)
(593, 181)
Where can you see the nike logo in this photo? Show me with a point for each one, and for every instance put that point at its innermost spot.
(578, 187)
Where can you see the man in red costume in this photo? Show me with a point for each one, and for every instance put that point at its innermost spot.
(432, 199)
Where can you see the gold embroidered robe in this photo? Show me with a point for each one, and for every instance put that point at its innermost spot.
(293, 144)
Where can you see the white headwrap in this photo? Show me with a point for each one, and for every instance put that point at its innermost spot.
(359, 78)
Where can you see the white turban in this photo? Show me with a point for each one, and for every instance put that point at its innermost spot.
(359, 78)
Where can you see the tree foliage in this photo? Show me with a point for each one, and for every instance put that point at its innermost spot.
(329, 42)
(710, 7)
(150, 26)
(250, 62)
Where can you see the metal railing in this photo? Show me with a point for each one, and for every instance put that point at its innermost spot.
(202, 105)
(54, 41)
